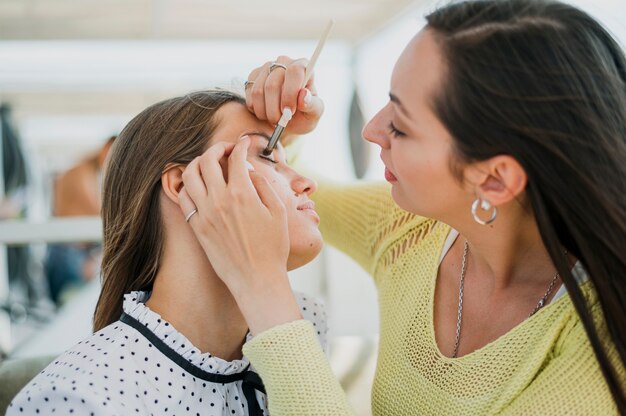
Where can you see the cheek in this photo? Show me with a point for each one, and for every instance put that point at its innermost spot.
(425, 184)
(305, 241)
(420, 166)
(304, 235)
(281, 187)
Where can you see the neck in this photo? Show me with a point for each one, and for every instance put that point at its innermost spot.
(507, 259)
(188, 293)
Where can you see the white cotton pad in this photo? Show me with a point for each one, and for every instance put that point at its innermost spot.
(249, 166)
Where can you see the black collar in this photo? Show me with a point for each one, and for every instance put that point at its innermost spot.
(251, 380)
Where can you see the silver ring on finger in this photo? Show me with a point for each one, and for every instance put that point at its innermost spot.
(188, 217)
(247, 84)
(275, 65)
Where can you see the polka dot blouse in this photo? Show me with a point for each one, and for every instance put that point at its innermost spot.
(140, 365)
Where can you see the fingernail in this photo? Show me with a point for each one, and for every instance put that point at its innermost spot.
(249, 166)
(307, 98)
(244, 137)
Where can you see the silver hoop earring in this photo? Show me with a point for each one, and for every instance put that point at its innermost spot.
(484, 205)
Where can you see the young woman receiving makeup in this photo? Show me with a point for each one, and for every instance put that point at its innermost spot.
(169, 332)
(497, 250)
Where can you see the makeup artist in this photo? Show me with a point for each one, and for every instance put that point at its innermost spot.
(498, 250)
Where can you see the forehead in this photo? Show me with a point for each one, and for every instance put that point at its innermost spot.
(419, 70)
(235, 120)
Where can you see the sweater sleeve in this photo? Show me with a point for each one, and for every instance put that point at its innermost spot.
(297, 376)
(361, 219)
(571, 383)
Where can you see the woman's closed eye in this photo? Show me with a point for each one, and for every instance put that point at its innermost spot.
(394, 131)
(268, 158)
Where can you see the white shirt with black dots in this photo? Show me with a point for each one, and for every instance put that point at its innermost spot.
(140, 365)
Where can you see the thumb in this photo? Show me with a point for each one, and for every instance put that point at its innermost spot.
(268, 196)
(309, 104)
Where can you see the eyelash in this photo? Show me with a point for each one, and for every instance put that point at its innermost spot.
(394, 131)
(268, 159)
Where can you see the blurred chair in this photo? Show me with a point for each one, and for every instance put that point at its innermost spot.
(14, 374)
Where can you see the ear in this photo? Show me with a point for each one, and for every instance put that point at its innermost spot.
(498, 180)
(172, 181)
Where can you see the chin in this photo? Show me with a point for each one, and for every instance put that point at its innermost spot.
(304, 252)
(403, 202)
(400, 200)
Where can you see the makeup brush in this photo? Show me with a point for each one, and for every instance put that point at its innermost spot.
(287, 113)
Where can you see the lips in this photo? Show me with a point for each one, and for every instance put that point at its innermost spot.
(307, 205)
(390, 176)
(309, 208)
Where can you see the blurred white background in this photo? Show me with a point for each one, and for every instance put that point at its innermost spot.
(76, 71)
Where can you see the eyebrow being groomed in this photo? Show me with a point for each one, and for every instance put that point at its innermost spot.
(265, 136)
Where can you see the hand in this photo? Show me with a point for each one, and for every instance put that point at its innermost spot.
(242, 226)
(241, 223)
(271, 92)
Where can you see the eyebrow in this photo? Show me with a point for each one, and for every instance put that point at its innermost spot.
(394, 99)
(256, 133)
(265, 136)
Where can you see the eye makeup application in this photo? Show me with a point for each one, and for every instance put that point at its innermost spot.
(259, 147)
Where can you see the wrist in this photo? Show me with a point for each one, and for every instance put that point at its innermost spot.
(269, 304)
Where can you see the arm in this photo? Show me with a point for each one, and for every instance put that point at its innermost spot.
(297, 377)
(361, 219)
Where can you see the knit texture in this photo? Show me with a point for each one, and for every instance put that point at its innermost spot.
(290, 356)
(545, 365)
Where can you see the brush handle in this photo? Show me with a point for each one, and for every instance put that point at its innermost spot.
(320, 45)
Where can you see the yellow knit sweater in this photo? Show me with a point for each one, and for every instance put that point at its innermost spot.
(544, 366)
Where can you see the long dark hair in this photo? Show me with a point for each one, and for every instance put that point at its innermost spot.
(545, 83)
(172, 131)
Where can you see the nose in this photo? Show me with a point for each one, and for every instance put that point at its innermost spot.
(375, 131)
(303, 185)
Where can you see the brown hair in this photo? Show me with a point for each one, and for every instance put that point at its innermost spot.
(172, 131)
(545, 83)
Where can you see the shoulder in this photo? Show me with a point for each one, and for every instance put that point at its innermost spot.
(314, 311)
(78, 380)
(421, 238)
(577, 359)
(61, 398)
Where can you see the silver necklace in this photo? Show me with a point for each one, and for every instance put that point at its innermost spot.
(459, 315)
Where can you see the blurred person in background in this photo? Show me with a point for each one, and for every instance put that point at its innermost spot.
(76, 192)
(27, 285)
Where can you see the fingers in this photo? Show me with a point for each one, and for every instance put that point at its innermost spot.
(248, 91)
(274, 90)
(268, 196)
(193, 184)
(244, 184)
(293, 80)
(310, 105)
(239, 178)
(204, 176)
(187, 205)
(257, 92)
